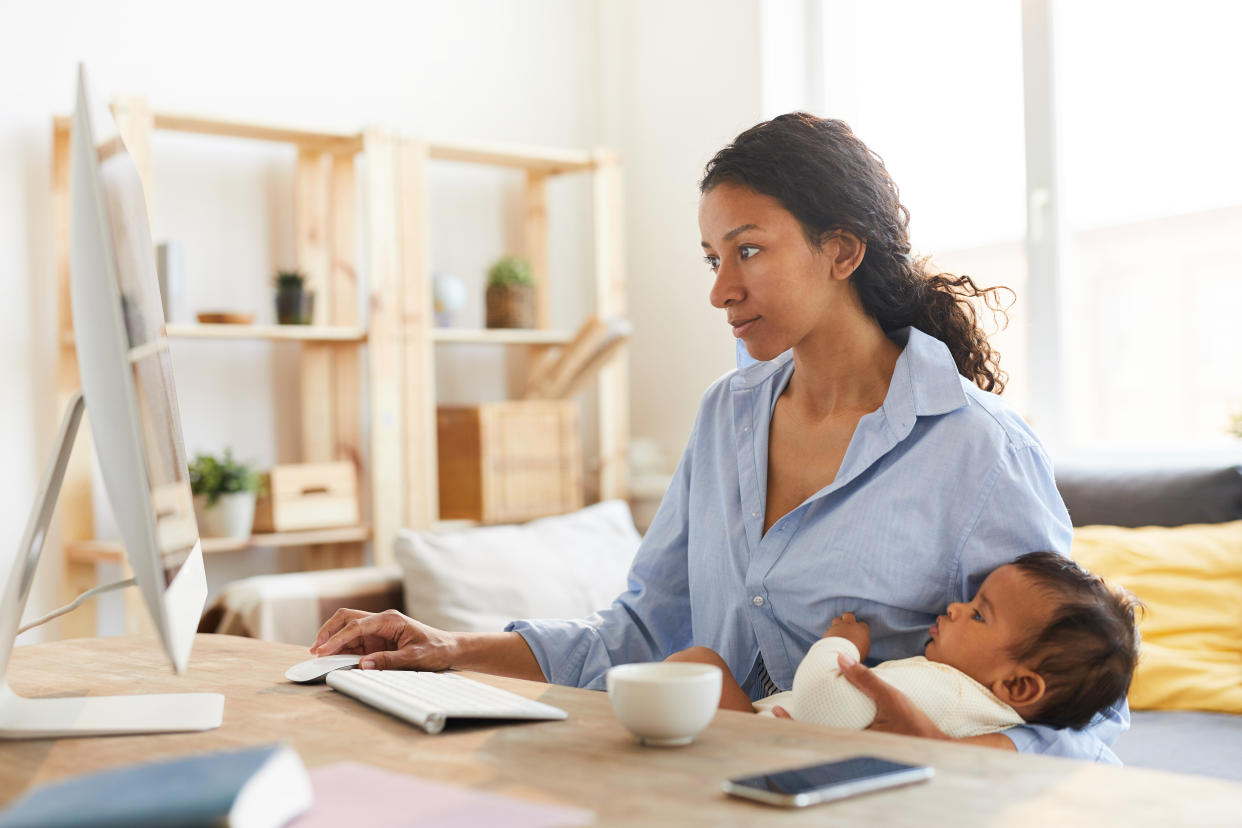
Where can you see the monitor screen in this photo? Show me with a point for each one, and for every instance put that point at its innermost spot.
(149, 359)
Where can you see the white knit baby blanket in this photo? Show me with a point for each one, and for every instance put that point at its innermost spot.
(959, 705)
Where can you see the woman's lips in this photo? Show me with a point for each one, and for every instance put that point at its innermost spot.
(742, 326)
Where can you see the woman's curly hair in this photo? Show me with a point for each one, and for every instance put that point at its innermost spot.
(830, 181)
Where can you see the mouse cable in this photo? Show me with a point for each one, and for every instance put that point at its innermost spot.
(77, 602)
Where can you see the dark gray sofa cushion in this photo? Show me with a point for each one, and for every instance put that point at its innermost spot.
(1174, 740)
(1182, 741)
(1150, 497)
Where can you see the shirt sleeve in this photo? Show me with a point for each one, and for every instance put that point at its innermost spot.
(1022, 511)
(1019, 511)
(648, 622)
(1093, 742)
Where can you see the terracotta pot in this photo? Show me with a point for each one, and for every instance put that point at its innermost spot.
(510, 306)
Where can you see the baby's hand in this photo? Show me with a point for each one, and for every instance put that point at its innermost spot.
(848, 627)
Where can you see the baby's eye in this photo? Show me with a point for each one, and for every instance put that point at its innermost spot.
(712, 261)
(746, 251)
(975, 616)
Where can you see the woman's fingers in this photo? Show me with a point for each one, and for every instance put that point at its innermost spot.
(359, 631)
(894, 712)
(861, 677)
(387, 641)
(409, 657)
(333, 625)
(387, 660)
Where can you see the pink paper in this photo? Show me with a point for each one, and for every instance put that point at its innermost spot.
(350, 793)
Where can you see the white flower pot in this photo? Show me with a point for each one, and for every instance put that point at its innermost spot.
(231, 516)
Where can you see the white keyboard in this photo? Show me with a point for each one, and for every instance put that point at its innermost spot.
(427, 700)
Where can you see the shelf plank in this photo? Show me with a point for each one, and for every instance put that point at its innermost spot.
(305, 333)
(548, 161)
(444, 527)
(106, 551)
(323, 141)
(501, 336)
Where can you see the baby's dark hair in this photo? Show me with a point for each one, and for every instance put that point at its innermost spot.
(1087, 651)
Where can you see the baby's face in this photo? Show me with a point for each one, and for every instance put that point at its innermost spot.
(976, 637)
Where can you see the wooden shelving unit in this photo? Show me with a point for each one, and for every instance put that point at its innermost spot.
(397, 466)
(97, 551)
(296, 333)
(513, 336)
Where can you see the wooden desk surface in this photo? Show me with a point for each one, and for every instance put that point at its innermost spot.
(588, 760)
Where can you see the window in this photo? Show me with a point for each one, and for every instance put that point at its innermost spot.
(1149, 172)
(1152, 194)
(941, 103)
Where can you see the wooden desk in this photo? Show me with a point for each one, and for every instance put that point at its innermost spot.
(588, 760)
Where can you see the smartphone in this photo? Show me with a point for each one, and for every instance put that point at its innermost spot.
(810, 785)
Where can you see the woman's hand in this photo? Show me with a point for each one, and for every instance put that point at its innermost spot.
(388, 641)
(894, 712)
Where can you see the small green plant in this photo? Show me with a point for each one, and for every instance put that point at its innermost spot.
(212, 476)
(289, 280)
(1235, 425)
(511, 270)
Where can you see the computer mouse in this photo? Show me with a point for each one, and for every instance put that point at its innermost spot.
(316, 669)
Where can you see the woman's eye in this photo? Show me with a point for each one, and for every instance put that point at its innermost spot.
(712, 261)
(746, 251)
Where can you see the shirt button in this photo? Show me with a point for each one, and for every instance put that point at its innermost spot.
(757, 600)
(746, 428)
(754, 514)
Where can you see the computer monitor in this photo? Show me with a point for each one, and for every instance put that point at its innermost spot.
(128, 389)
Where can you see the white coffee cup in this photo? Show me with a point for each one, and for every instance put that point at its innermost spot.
(664, 703)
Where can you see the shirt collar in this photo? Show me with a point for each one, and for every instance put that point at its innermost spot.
(925, 379)
(757, 374)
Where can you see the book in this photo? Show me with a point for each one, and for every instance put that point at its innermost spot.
(352, 793)
(257, 787)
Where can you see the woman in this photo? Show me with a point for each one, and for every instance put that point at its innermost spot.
(860, 466)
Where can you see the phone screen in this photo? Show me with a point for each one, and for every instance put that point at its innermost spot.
(829, 780)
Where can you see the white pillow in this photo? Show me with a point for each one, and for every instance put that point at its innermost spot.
(567, 566)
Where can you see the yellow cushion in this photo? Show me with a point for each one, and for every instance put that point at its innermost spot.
(1190, 580)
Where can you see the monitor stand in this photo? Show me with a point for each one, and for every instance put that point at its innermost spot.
(26, 718)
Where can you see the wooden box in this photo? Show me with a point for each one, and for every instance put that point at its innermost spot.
(307, 496)
(505, 462)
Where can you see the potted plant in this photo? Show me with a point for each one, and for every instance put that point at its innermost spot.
(511, 294)
(224, 495)
(295, 305)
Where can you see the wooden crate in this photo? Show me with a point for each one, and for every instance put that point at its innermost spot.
(308, 496)
(509, 461)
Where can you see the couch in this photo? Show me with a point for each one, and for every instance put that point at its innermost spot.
(1192, 503)
(1104, 505)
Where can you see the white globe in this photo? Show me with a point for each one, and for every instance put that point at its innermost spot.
(449, 296)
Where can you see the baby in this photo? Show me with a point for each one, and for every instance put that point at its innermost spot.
(1043, 642)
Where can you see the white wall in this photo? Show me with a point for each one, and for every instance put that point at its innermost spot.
(680, 81)
(479, 70)
(665, 83)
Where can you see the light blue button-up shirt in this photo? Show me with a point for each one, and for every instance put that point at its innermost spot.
(939, 486)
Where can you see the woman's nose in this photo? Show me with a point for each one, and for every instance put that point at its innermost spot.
(725, 289)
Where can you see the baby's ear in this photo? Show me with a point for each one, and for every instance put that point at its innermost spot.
(1021, 688)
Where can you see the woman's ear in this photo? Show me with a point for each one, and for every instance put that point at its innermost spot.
(845, 253)
(1023, 687)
